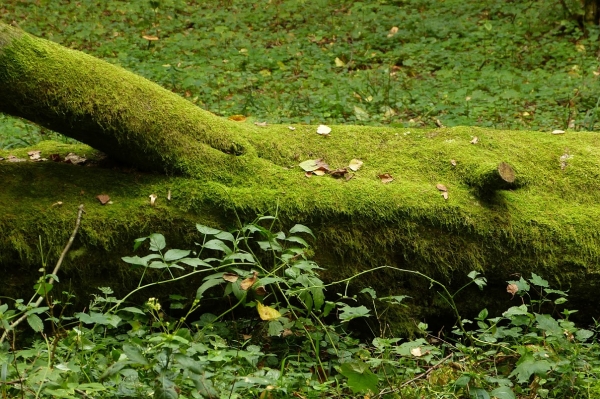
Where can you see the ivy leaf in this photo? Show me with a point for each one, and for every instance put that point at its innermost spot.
(360, 378)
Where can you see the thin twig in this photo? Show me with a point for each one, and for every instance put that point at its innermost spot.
(54, 272)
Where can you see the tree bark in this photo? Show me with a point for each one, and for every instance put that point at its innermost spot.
(219, 170)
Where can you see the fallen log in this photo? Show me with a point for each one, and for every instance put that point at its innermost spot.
(218, 170)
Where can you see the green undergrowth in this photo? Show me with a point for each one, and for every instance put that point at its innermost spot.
(283, 332)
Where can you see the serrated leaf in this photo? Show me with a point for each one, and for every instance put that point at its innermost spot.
(35, 322)
(503, 392)
(174, 254)
(157, 242)
(537, 280)
(348, 313)
(134, 354)
(218, 245)
(300, 228)
(360, 378)
(479, 393)
(528, 366)
(207, 230)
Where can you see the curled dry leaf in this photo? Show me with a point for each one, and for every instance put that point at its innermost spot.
(416, 351)
(74, 159)
(266, 312)
(249, 282)
(286, 333)
(261, 124)
(393, 31)
(441, 187)
(153, 198)
(445, 195)
(439, 123)
(58, 203)
(291, 128)
(169, 195)
(452, 162)
(338, 173)
(103, 198)
(308, 174)
(261, 291)
(237, 118)
(314, 164)
(231, 277)
(12, 158)
(558, 131)
(319, 172)
(386, 178)
(324, 130)
(34, 155)
(512, 289)
(246, 337)
(475, 140)
(55, 158)
(150, 38)
(355, 164)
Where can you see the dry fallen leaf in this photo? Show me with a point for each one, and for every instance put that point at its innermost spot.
(231, 277)
(286, 333)
(55, 157)
(512, 289)
(34, 155)
(319, 172)
(150, 38)
(249, 282)
(475, 140)
(349, 176)
(393, 31)
(355, 164)
(74, 159)
(12, 158)
(338, 173)
(103, 198)
(153, 198)
(291, 128)
(261, 291)
(308, 174)
(558, 131)
(324, 130)
(439, 123)
(58, 203)
(237, 118)
(169, 195)
(246, 337)
(266, 312)
(262, 124)
(386, 178)
(445, 195)
(441, 187)
(416, 351)
(452, 162)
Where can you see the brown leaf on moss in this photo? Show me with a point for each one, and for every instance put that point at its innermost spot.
(153, 198)
(308, 174)
(386, 178)
(249, 282)
(452, 162)
(237, 118)
(475, 140)
(355, 164)
(150, 38)
(445, 195)
(103, 198)
(319, 172)
(75, 159)
(441, 187)
(35, 155)
(349, 176)
(339, 173)
(55, 158)
(12, 158)
(261, 124)
(286, 333)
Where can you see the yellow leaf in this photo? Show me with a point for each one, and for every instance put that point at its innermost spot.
(266, 312)
(339, 63)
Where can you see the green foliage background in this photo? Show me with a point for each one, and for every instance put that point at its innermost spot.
(502, 64)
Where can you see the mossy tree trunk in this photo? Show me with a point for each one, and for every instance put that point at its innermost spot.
(218, 170)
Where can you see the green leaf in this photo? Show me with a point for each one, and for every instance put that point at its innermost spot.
(138, 241)
(35, 322)
(206, 285)
(300, 228)
(194, 262)
(131, 309)
(299, 240)
(503, 392)
(218, 245)
(369, 291)
(479, 393)
(174, 254)
(348, 313)
(462, 381)
(223, 235)
(165, 393)
(360, 378)
(528, 366)
(42, 288)
(548, 324)
(537, 280)
(583, 334)
(157, 242)
(207, 230)
(135, 354)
